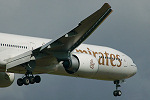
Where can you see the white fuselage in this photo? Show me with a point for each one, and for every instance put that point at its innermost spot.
(112, 64)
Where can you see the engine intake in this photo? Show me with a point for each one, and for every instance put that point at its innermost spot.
(6, 79)
(71, 65)
(81, 65)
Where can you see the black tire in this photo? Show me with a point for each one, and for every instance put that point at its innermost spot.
(31, 80)
(115, 93)
(26, 81)
(37, 79)
(119, 93)
(20, 82)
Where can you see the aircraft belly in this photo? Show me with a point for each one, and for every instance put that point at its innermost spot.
(112, 73)
(104, 72)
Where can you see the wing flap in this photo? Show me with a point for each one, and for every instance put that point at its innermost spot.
(20, 59)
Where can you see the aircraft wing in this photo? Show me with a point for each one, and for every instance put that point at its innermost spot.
(72, 39)
(67, 42)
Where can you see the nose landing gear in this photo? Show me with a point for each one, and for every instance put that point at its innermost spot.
(117, 92)
(28, 79)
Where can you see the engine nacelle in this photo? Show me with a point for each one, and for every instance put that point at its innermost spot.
(71, 65)
(81, 65)
(6, 79)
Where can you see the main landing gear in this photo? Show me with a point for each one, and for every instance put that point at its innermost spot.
(117, 92)
(28, 79)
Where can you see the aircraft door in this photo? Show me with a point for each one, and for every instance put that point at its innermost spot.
(125, 62)
(32, 46)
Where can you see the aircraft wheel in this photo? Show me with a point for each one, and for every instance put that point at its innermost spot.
(37, 79)
(20, 82)
(26, 81)
(117, 93)
(31, 80)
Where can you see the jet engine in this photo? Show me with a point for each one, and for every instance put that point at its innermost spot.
(6, 79)
(81, 65)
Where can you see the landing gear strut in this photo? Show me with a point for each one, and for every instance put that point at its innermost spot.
(28, 79)
(117, 92)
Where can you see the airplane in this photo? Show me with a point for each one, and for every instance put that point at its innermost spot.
(64, 55)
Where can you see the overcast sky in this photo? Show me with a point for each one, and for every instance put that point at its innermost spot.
(127, 29)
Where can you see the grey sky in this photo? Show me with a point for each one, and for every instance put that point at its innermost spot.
(127, 29)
